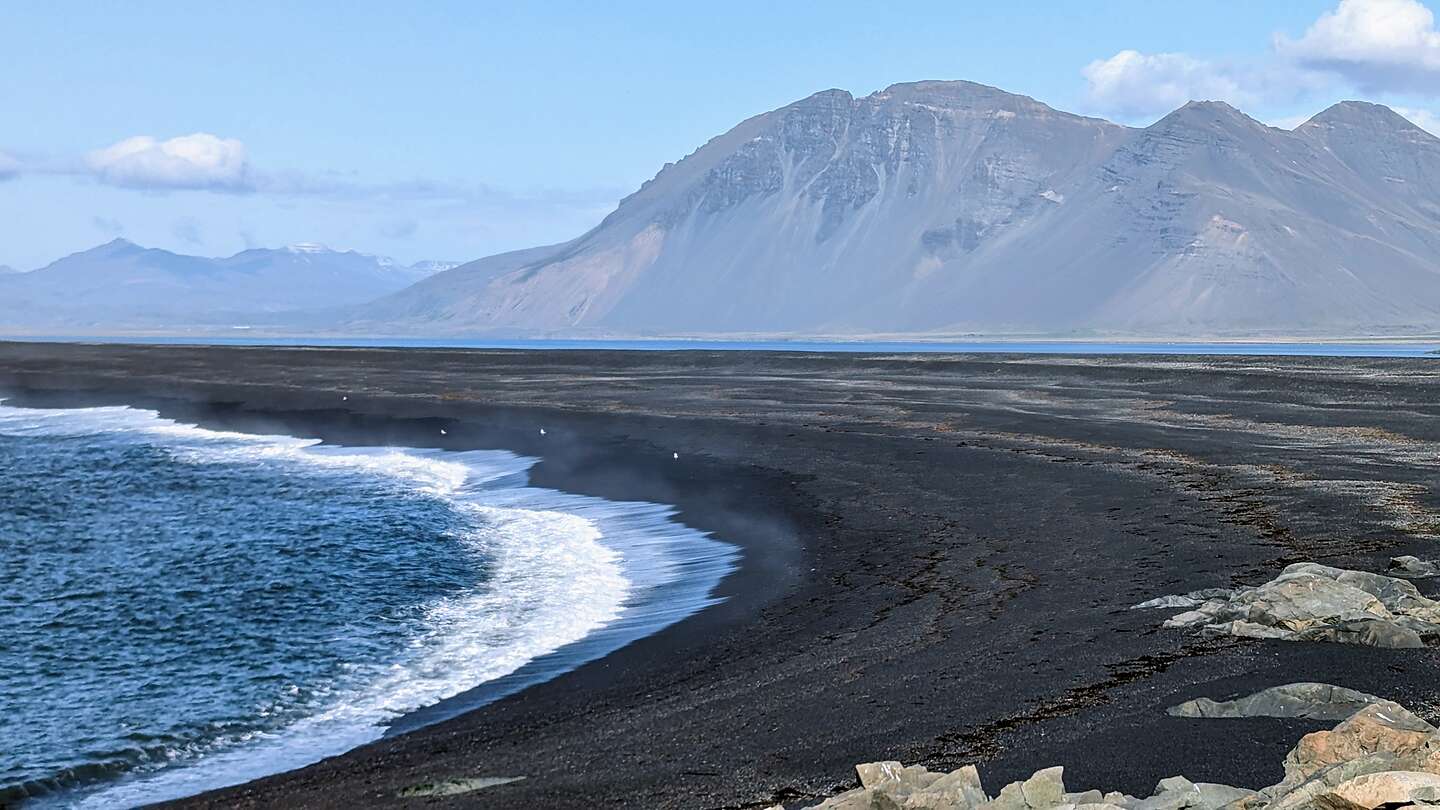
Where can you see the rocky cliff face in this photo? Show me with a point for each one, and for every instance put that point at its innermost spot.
(951, 206)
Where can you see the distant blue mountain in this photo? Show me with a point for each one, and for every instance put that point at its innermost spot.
(121, 285)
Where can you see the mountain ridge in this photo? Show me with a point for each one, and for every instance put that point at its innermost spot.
(925, 208)
(122, 285)
(936, 206)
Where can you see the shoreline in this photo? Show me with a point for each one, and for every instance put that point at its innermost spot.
(670, 572)
(667, 602)
(941, 554)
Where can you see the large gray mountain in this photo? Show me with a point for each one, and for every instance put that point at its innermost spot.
(121, 285)
(950, 207)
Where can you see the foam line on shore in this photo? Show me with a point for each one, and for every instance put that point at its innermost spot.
(571, 579)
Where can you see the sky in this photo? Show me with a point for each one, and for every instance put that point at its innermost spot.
(452, 131)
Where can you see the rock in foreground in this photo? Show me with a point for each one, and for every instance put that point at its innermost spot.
(1312, 602)
(1381, 756)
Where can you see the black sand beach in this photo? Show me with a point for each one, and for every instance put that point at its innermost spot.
(939, 551)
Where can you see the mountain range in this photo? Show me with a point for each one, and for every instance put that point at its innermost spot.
(121, 285)
(937, 208)
(953, 207)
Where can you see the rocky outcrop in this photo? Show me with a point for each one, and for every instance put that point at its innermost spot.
(1380, 739)
(1380, 756)
(1392, 789)
(1312, 602)
(1310, 701)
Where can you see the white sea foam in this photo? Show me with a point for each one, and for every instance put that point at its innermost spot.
(564, 572)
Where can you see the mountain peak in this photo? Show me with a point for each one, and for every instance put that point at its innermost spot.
(1206, 114)
(955, 94)
(1210, 107)
(115, 247)
(955, 88)
(1361, 113)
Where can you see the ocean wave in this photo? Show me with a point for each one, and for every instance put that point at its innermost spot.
(569, 579)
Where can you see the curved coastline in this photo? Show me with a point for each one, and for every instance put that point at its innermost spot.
(940, 553)
(671, 572)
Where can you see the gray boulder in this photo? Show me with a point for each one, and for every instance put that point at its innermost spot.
(1311, 701)
(1043, 790)
(1179, 793)
(955, 789)
(1312, 602)
(1414, 568)
(893, 786)
(1397, 595)
(455, 787)
(1193, 599)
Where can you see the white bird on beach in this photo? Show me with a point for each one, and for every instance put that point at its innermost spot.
(344, 399)
(443, 433)
(542, 431)
(677, 456)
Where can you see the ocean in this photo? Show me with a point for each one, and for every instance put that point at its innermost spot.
(183, 608)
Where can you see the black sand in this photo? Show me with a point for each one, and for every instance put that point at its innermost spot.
(939, 552)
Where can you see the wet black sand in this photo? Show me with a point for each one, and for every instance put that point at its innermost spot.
(938, 551)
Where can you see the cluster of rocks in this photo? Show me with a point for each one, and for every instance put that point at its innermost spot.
(892, 786)
(1312, 602)
(1380, 756)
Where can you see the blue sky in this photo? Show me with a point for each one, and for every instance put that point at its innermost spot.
(455, 130)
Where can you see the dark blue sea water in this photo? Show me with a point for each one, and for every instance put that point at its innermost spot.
(182, 608)
(1373, 348)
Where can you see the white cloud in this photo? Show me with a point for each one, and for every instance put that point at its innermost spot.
(1378, 44)
(198, 161)
(1135, 84)
(1425, 119)
(9, 166)
(207, 163)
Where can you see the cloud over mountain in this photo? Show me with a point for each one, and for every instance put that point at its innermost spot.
(198, 161)
(1389, 48)
(1132, 83)
(1378, 44)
